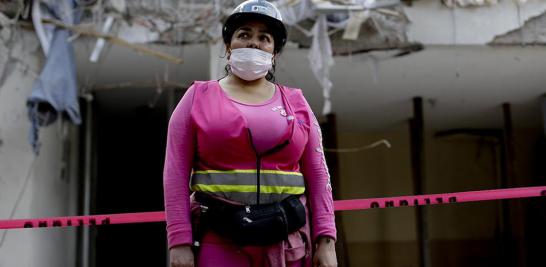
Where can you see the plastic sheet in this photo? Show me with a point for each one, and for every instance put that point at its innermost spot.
(321, 60)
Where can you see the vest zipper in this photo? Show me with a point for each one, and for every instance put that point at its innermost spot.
(258, 166)
(259, 161)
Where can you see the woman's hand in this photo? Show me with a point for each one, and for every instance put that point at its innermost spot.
(325, 256)
(181, 256)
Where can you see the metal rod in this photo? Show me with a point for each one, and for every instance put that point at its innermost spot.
(115, 40)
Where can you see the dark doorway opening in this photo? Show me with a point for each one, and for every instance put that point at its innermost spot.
(130, 147)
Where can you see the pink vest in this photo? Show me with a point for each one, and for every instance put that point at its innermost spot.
(227, 165)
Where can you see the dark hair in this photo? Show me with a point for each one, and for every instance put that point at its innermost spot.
(270, 76)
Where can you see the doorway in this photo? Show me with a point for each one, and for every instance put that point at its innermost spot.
(130, 127)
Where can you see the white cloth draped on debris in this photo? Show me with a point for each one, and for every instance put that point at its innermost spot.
(55, 91)
(321, 60)
(348, 16)
(476, 3)
(320, 54)
(295, 11)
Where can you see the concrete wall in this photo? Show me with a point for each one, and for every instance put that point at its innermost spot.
(460, 234)
(51, 187)
(433, 23)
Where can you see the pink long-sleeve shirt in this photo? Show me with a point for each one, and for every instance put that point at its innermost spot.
(180, 152)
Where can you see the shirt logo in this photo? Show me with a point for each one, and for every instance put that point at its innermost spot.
(281, 110)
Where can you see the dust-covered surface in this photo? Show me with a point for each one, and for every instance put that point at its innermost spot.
(533, 32)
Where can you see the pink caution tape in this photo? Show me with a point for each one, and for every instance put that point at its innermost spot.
(139, 217)
(339, 205)
(470, 196)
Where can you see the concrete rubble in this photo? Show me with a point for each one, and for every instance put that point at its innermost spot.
(532, 32)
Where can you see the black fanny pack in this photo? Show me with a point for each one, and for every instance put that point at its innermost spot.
(259, 225)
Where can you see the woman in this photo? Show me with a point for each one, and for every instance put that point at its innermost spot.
(262, 195)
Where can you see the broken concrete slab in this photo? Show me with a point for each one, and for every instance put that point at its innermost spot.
(533, 32)
(378, 33)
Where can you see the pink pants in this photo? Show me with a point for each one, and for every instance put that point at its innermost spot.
(216, 251)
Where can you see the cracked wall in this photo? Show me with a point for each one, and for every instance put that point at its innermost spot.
(533, 32)
(432, 23)
(32, 186)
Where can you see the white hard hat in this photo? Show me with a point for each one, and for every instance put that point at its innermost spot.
(261, 10)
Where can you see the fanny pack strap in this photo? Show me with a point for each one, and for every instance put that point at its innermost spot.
(225, 218)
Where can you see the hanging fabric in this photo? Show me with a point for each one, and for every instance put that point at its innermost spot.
(55, 91)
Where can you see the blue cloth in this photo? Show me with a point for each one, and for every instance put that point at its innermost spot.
(55, 91)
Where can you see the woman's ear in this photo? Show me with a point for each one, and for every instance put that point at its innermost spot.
(228, 51)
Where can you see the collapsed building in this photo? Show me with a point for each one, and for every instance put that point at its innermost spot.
(87, 87)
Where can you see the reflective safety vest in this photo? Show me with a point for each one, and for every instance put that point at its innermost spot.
(226, 163)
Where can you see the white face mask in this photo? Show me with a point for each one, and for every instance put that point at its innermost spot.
(249, 63)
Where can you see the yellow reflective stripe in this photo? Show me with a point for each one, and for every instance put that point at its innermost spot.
(295, 190)
(249, 171)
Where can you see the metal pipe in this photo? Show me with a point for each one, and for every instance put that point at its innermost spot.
(419, 181)
(87, 181)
